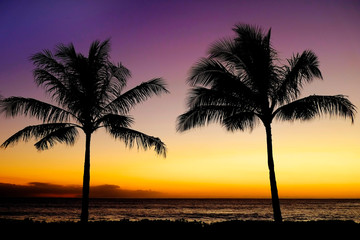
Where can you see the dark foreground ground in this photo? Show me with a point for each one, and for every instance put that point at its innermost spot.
(146, 229)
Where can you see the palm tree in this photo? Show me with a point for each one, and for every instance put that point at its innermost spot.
(238, 85)
(89, 95)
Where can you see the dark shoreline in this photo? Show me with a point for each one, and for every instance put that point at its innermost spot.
(166, 229)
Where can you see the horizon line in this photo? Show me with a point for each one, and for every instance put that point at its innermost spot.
(190, 198)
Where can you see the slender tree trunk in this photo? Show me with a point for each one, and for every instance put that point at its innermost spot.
(86, 181)
(274, 191)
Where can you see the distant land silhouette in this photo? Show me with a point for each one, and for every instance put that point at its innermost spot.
(41, 189)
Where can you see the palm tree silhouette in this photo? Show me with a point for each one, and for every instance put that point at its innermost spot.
(238, 85)
(89, 94)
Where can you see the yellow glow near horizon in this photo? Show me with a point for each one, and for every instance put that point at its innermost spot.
(316, 159)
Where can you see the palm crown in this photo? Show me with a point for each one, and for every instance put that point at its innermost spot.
(239, 85)
(89, 93)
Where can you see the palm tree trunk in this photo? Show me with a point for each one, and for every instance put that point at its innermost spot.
(274, 191)
(86, 181)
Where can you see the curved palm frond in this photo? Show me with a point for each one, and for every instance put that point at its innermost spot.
(211, 73)
(141, 140)
(115, 120)
(46, 60)
(51, 74)
(53, 85)
(112, 80)
(310, 107)
(203, 115)
(249, 34)
(241, 121)
(302, 69)
(121, 73)
(138, 94)
(56, 76)
(250, 57)
(253, 47)
(248, 52)
(68, 55)
(99, 52)
(200, 96)
(65, 135)
(14, 106)
(36, 131)
(225, 51)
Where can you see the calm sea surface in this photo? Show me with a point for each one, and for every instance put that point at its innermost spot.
(205, 210)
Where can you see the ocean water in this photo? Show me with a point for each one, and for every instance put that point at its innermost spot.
(205, 210)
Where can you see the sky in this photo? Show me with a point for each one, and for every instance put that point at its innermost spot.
(316, 159)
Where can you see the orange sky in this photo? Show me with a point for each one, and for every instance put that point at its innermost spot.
(317, 159)
(323, 164)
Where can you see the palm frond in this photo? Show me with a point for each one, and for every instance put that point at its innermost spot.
(251, 57)
(121, 73)
(241, 121)
(226, 51)
(46, 60)
(114, 120)
(136, 95)
(68, 55)
(209, 72)
(203, 115)
(14, 106)
(53, 85)
(306, 65)
(302, 69)
(56, 75)
(141, 140)
(113, 79)
(314, 106)
(34, 131)
(248, 33)
(65, 135)
(200, 96)
(253, 44)
(99, 52)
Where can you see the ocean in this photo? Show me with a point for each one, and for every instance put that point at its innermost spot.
(204, 210)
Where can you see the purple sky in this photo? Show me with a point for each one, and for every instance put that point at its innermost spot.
(166, 37)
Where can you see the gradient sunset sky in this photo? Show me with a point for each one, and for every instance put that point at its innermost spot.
(320, 158)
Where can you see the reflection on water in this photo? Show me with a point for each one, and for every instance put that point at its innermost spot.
(205, 210)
